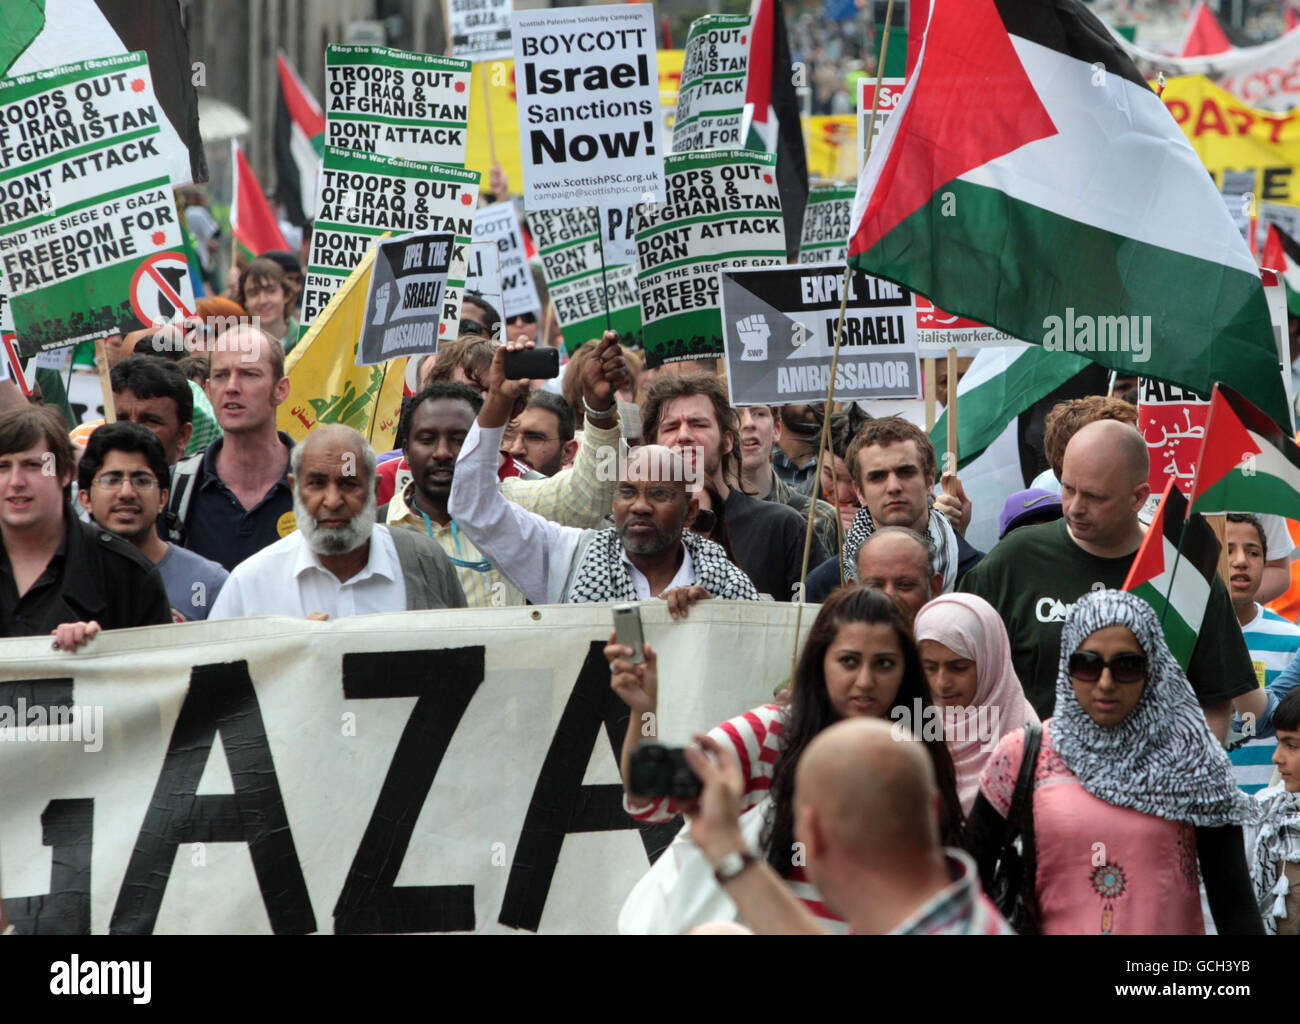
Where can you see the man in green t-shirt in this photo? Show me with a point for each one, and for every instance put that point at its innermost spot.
(1035, 575)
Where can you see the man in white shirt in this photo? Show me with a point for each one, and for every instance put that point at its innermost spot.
(339, 562)
(647, 553)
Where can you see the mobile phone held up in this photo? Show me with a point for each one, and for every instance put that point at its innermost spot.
(533, 364)
(627, 630)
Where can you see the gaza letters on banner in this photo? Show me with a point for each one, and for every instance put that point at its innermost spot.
(723, 211)
(89, 238)
(569, 243)
(361, 196)
(498, 225)
(397, 773)
(711, 97)
(588, 96)
(480, 29)
(413, 106)
(826, 222)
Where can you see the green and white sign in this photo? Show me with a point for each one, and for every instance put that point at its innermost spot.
(826, 222)
(362, 196)
(711, 97)
(723, 212)
(90, 243)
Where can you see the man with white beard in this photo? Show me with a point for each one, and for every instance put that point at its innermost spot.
(339, 561)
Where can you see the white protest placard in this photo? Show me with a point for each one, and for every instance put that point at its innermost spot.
(827, 220)
(363, 195)
(711, 97)
(441, 771)
(499, 225)
(937, 332)
(413, 106)
(480, 29)
(779, 325)
(484, 276)
(891, 92)
(723, 211)
(587, 85)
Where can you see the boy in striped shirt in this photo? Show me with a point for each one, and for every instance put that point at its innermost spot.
(1271, 640)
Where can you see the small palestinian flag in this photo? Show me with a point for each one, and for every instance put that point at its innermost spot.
(1179, 598)
(1205, 36)
(251, 220)
(771, 117)
(299, 144)
(1031, 179)
(40, 34)
(1247, 463)
(1282, 253)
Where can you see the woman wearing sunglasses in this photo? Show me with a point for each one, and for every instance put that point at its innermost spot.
(1130, 790)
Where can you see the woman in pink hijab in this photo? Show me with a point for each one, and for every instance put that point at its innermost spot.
(967, 661)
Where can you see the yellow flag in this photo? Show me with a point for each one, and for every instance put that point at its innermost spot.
(832, 146)
(327, 385)
(1228, 135)
(494, 114)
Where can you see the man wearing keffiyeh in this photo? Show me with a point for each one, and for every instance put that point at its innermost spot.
(647, 553)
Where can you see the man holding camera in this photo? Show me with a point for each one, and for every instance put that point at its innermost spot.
(647, 553)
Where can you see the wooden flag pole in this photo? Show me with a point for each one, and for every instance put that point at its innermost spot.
(1219, 524)
(949, 487)
(835, 361)
(491, 131)
(931, 404)
(105, 381)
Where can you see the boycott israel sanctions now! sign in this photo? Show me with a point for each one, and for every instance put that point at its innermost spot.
(499, 225)
(723, 211)
(588, 94)
(413, 106)
(89, 240)
(363, 195)
(408, 772)
(780, 336)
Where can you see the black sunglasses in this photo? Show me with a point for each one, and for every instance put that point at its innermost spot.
(527, 318)
(1087, 666)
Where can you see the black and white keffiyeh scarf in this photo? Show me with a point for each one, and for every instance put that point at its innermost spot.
(1162, 759)
(602, 574)
(941, 535)
(1277, 841)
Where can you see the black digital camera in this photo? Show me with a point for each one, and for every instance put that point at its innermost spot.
(655, 770)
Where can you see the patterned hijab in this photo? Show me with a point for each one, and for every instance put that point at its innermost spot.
(1162, 759)
(970, 627)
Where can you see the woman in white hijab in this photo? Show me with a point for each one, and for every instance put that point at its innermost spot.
(967, 660)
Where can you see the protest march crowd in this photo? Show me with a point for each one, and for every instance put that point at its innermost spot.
(1017, 739)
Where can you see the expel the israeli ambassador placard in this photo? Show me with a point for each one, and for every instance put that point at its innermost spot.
(779, 330)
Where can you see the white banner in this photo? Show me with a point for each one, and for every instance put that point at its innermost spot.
(588, 94)
(412, 772)
(480, 29)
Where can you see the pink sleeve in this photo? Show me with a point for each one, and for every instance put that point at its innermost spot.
(998, 783)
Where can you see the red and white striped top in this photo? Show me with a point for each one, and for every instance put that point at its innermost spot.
(755, 737)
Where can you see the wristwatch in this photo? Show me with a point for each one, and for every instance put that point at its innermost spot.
(732, 865)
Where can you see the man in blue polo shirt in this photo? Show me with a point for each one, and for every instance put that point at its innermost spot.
(241, 500)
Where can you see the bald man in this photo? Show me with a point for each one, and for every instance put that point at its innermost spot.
(1034, 576)
(339, 561)
(867, 815)
(900, 562)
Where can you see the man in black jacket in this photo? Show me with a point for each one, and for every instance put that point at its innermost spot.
(58, 575)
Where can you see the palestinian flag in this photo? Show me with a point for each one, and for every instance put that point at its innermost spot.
(299, 145)
(39, 34)
(1282, 253)
(1205, 36)
(1001, 384)
(251, 220)
(771, 120)
(1179, 597)
(1032, 180)
(1247, 463)
(192, 263)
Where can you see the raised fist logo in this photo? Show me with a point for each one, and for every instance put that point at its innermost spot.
(754, 332)
(381, 303)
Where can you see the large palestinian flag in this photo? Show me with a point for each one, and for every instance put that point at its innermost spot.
(40, 34)
(1179, 597)
(771, 123)
(299, 144)
(1247, 463)
(1030, 179)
